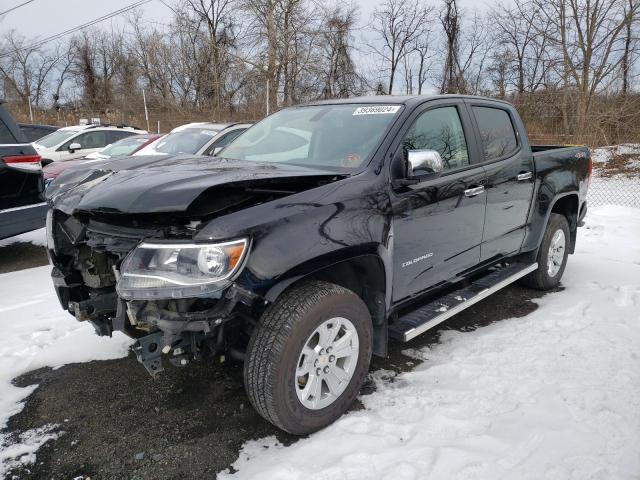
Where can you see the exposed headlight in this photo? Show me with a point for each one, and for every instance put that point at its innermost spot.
(179, 270)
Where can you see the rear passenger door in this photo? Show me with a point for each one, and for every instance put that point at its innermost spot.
(89, 142)
(510, 179)
(437, 223)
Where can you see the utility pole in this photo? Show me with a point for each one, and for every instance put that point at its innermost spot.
(30, 111)
(268, 86)
(146, 112)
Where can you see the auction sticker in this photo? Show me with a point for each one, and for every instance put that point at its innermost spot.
(377, 110)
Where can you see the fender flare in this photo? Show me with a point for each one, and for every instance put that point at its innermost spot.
(547, 215)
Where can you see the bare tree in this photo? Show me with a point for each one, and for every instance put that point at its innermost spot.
(450, 20)
(630, 42)
(588, 35)
(218, 19)
(340, 75)
(263, 13)
(424, 52)
(522, 31)
(398, 23)
(27, 69)
(475, 47)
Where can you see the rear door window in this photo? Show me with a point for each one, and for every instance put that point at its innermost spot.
(496, 132)
(5, 134)
(115, 135)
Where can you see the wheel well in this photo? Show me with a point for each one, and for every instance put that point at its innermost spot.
(365, 276)
(569, 206)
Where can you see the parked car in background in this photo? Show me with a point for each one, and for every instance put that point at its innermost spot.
(22, 206)
(79, 141)
(33, 132)
(126, 146)
(201, 138)
(122, 148)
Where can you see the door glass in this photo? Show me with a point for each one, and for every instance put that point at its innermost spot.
(224, 140)
(441, 130)
(496, 131)
(113, 136)
(96, 139)
(5, 134)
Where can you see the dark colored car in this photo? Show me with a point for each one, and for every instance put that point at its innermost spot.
(33, 132)
(126, 146)
(322, 232)
(22, 206)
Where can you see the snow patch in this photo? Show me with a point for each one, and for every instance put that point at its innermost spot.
(37, 237)
(23, 451)
(551, 395)
(604, 154)
(37, 333)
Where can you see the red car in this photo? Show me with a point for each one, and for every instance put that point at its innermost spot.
(122, 148)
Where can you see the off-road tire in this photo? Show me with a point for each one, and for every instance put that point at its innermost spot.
(540, 278)
(275, 346)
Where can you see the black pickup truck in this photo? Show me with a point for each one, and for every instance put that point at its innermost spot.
(316, 236)
(22, 205)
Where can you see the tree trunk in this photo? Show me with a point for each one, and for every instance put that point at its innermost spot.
(271, 57)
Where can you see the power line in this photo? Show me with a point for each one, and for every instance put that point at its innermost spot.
(16, 7)
(90, 23)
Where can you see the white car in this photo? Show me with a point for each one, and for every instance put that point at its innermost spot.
(201, 138)
(70, 143)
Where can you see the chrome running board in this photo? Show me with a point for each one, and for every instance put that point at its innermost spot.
(428, 316)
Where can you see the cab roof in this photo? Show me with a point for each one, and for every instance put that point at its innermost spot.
(93, 126)
(409, 100)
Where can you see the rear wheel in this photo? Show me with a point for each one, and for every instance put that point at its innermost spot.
(552, 256)
(308, 357)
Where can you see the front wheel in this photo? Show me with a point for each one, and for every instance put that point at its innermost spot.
(308, 357)
(552, 256)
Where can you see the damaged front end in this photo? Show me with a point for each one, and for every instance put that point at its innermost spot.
(122, 243)
(88, 256)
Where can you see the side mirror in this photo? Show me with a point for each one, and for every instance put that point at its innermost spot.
(217, 150)
(74, 146)
(423, 162)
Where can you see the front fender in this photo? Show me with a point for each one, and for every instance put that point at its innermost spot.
(294, 236)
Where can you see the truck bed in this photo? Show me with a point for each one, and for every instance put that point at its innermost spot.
(557, 148)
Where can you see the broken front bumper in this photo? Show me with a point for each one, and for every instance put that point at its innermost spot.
(86, 258)
(158, 326)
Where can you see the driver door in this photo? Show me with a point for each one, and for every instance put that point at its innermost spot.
(438, 222)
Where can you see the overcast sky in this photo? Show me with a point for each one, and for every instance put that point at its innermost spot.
(43, 18)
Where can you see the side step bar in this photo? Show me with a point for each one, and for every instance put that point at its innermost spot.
(428, 316)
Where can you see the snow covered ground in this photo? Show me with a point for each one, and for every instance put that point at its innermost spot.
(553, 395)
(36, 333)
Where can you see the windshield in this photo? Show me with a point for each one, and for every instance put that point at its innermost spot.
(56, 138)
(185, 141)
(126, 146)
(325, 135)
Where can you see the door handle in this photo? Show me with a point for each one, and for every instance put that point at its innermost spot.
(472, 192)
(521, 177)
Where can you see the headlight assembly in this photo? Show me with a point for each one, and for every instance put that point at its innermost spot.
(179, 270)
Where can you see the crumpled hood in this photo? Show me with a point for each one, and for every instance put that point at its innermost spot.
(147, 184)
